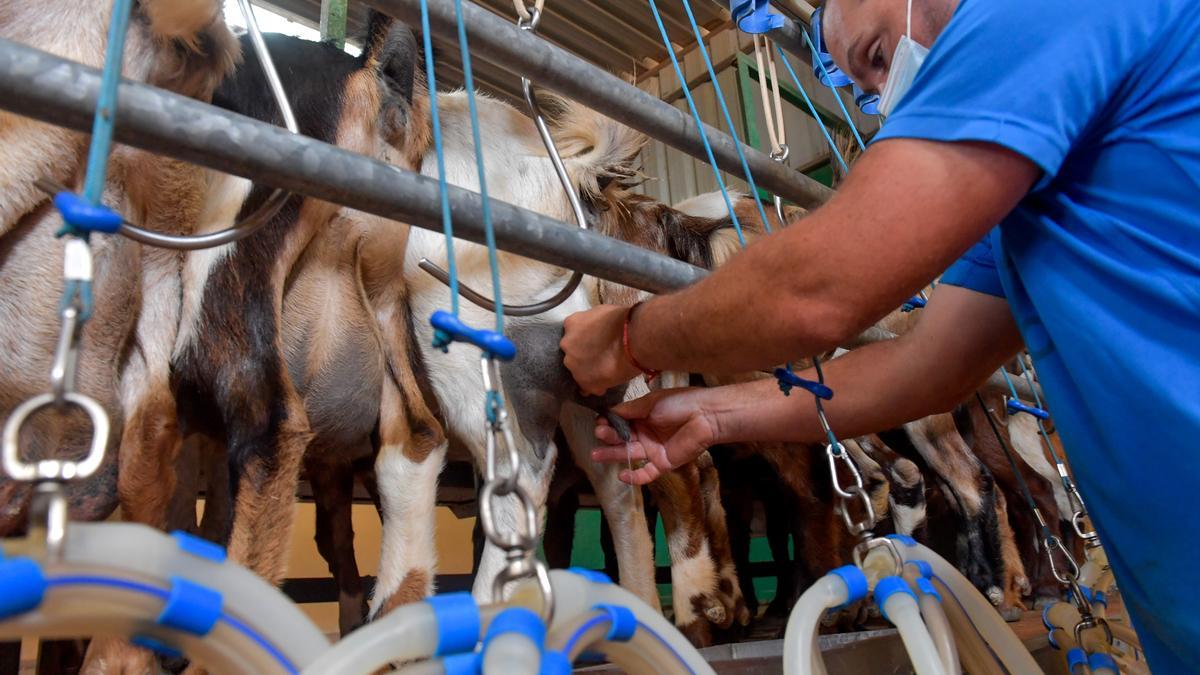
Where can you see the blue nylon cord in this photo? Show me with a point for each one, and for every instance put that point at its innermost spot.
(812, 109)
(106, 104)
(712, 160)
(443, 188)
(489, 232)
(737, 142)
(161, 594)
(836, 94)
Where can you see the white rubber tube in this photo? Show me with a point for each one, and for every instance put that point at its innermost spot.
(87, 610)
(511, 654)
(939, 630)
(1012, 653)
(801, 654)
(901, 609)
(139, 552)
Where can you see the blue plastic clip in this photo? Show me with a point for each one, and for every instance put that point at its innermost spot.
(458, 624)
(470, 663)
(201, 548)
(868, 103)
(448, 328)
(190, 607)
(1076, 657)
(555, 663)
(788, 379)
(836, 78)
(927, 587)
(517, 620)
(923, 568)
(22, 586)
(903, 539)
(86, 217)
(1100, 660)
(1014, 406)
(1046, 618)
(591, 575)
(886, 588)
(755, 16)
(157, 646)
(915, 302)
(624, 622)
(855, 580)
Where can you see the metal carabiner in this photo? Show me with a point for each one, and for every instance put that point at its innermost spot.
(833, 456)
(863, 526)
(1052, 542)
(54, 469)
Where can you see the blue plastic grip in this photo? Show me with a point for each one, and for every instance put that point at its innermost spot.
(157, 646)
(926, 586)
(1100, 660)
(886, 588)
(81, 215)
(855, 580)
(923, 568)
(788, 379)
(201, 548)
(591, 575)
(915, 302)
(868, 103)
(623, 622)
(1014, 406)
(190, 607)
(555, 663)
(470, 663)
(22, 586)
(449, 328)
(1076, 657)
(458, 623)
(754, 16)
(517, 620)
(836, 78)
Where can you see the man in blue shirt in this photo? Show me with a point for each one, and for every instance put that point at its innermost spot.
(1076, 126)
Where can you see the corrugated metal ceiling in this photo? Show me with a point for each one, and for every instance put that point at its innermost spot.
(617, 35)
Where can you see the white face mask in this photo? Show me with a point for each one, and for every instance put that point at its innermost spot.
(906, 61)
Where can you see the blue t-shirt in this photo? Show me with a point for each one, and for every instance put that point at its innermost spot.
(1101, 260)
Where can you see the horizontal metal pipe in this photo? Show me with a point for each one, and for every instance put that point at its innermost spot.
(498, 41)
(790, 38)
(43, 86)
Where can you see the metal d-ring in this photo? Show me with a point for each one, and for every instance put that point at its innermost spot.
(54, 469)
(542, 306)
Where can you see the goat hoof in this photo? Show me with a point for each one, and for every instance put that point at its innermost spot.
(716, 614)
(1023, 586)
(995, 595)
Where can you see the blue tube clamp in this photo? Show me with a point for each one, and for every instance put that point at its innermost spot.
(788, 379)
(22, 586)
(458, 623)
(755, 16)
(855, 580)
(448, 328)
(623, 622)
(517, 620)
(889, 586)
(191, 607)
(1014, 406)
(81, 215)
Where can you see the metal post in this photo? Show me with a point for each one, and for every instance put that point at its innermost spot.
(501, 42)
(333, 22)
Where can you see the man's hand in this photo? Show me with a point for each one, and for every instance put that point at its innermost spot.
(670, 428)
(595, 353)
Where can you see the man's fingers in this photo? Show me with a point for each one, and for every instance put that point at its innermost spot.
(646, 474)
(688, 442)
(620, 453)
(638, 408)
(606, 434)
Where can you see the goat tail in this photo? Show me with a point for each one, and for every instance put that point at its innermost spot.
(597, 150)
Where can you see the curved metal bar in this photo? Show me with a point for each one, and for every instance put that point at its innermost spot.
(264, 213)
(542, 306)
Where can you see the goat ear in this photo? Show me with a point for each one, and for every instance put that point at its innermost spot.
(392, 52)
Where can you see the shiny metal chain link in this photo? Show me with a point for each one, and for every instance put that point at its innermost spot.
(502, 481)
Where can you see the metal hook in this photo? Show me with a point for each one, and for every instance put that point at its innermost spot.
(475, 297)
(54, 469)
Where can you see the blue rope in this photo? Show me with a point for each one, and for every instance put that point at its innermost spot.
(443, 188)
(836, 94)
(712, 160)
(106, 104)
(812, 109)
(737, 143)
(489, 231)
